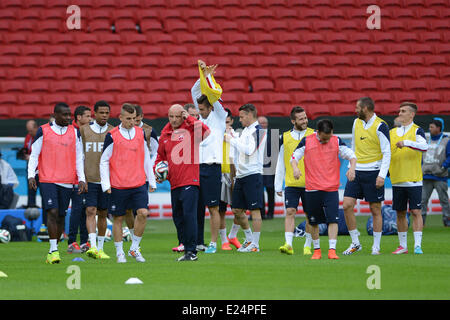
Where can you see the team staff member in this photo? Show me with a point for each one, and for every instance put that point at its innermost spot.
(295, 188)
(179, 146)
(82, 116)
(407, 145)
(57, 152)
(248, 187)
(321, 153)
(125, 147)
(205, 95)
(93, 136)
(436, 162)
(370, 142)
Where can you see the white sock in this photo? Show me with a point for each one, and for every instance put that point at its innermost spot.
(119, 247)
(223, 235)
(402, 238)
(417, 239)
(234, 230)
(131, 232)
(308, 240)
(289, 236)
(214, 244)
(248, 235)
(53, 245)
(377, 240)
(135, 242)
(93, 240)
(100, 241)
(332, 243)
(316, 244)
(255, 240)
(354, 235)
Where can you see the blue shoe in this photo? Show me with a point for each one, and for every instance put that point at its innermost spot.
(211, 249)
(418, 250)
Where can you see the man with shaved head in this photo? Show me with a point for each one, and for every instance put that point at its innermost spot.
(179, 147)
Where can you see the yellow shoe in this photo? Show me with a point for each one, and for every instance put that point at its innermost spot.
(93, 253)
(307, 251)
(102, 255)
(53, 258)
(287, 249)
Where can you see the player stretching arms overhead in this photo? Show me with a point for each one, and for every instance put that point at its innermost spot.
(205, 95)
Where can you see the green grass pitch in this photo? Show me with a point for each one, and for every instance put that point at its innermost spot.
(232, 275)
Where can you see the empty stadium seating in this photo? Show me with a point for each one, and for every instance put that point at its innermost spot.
(271, 52)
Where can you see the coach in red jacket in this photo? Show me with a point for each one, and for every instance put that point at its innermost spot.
(179, 146)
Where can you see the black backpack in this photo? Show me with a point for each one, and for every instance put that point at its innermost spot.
(6, 196)
(16, 227)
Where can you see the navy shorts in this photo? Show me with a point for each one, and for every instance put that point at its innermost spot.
(364, 187)
(95, 197)
(210, 184)
(223, 206)
(248, 192)
(402, 195)
(292, 196)
(55, 197)
(322, 207)
(123, 199)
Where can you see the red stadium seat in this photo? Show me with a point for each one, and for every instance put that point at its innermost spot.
(235, 85)
(343, 110)
(304, 97)
(38, 86)
(5, 112)
(23, 112)
(415, 85)
(274, 110)
(317, 85)
(282, 74)
(19, 74)
(405, 96)
(397, 73)
(13, 86)
(134, 86)
(381, 97)
(232, 74)
(330, 98)
(62, 87)
(289, 85)
(274, 98)
(254, 98)
(7, 99)
(391, 85)
(318, 110)
(151, 26)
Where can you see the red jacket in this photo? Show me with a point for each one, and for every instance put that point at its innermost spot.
(180, 148)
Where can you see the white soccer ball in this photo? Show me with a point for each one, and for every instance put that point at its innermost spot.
(162, 170)
(5, 236)
(126, 234)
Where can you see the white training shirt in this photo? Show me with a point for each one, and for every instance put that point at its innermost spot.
(7, 174)
(107, 153)
(37, 147)
(248, 150)
(280, 171)
(211, 149)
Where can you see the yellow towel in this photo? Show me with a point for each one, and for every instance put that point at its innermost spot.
(209, 87)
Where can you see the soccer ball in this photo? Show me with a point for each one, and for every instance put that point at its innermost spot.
(126, 234)
(5, 236)
(162, 170)
(32, 213)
